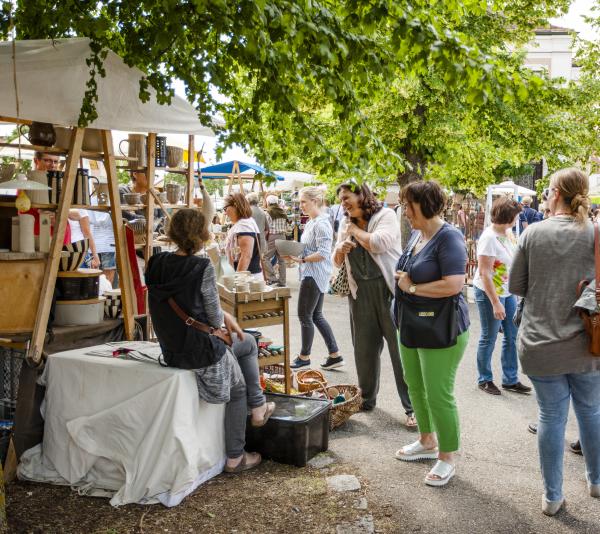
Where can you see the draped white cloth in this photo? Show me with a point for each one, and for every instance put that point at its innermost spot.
(131, 430)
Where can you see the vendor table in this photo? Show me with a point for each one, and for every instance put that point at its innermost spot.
(258, 309)
(132, 430)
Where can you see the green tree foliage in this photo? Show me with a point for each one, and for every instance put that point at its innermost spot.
(273, 60)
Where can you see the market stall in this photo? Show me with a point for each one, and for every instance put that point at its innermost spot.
(56, 103)
(238, 172)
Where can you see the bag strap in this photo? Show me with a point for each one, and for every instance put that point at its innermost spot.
(597, 260)
(188, 320)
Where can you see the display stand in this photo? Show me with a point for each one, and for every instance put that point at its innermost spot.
(269, 308)
(51, 260)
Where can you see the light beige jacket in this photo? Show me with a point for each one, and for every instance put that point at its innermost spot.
(385, 250)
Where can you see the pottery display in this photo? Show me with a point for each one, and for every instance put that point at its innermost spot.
(133, 198)
(77, 252)
(173, 193)
(40, 133)
(174, 157)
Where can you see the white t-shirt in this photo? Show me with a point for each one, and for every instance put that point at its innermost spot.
(502, 249)
(76, 233)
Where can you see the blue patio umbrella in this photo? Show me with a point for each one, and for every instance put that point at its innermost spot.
(228, 169)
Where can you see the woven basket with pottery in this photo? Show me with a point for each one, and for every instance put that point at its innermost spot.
(341, 412)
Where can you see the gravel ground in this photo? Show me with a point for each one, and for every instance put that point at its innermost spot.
(498, 486)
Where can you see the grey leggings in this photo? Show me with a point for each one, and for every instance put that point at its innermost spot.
(246, 393)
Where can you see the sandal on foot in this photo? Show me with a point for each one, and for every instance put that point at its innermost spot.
(411, 421)
(244, 464)
(442, 469)
(268, 413)
(416, 451)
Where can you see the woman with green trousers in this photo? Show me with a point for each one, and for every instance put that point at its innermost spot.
(433, 320)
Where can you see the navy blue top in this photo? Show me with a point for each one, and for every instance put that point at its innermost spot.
(254, 266)
(444, 255)
(528, 215)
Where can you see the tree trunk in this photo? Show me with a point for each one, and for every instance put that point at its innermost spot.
(413, 172)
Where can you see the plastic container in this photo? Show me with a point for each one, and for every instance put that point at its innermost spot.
(297, 430)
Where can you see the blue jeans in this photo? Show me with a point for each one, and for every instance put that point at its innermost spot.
(487, 340)
(554, 394)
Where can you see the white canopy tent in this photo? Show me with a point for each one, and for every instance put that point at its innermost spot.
(292, 180)
(507, 187)
(51, 82)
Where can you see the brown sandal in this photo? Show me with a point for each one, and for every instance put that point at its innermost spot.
(244, 464)
(268, 413)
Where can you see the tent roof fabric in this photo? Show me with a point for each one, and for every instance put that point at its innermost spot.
(51, 83)
(225, 170)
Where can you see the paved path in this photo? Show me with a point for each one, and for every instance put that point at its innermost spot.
(498, 485)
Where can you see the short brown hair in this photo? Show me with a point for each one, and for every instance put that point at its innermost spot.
(504, 210)
(427, 194)
(367, 200)
(241, 205)
(188, 230)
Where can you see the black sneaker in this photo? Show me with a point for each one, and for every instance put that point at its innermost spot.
(489, 387)
(575, 447)
(333, 363)
(517, 388)
(299, 362)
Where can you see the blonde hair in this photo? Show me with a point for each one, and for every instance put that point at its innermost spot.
(573, 186)
(313, 193)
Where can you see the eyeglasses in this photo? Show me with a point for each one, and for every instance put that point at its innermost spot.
(546, 193)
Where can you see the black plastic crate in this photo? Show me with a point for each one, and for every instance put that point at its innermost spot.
(297, 430)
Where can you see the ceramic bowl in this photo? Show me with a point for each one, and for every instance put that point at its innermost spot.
(289, 248)
(133, 198)
(77, 252)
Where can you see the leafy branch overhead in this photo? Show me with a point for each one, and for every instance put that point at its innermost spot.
(345, 86)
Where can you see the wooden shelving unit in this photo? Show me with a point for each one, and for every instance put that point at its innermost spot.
(34, 279)
(269, 308)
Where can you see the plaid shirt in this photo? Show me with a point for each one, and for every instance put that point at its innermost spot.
(277, 226)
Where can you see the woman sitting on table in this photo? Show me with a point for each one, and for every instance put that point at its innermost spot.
(242, 244)
(182, 284)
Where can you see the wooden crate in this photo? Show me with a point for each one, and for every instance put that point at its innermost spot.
(20, 289)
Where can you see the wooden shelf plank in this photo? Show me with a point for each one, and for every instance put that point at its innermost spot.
(86, 154)
(271, 360)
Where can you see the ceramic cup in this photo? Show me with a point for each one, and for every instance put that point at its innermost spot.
(229, 281)
(174, 157)
(257, 285)
(243, 287)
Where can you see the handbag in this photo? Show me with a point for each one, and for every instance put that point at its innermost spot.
(427, 324)
(591, 319)
(339, 285)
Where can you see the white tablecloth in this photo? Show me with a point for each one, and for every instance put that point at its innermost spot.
(135, 431)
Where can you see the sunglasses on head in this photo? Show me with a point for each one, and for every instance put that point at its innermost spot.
(546, 193)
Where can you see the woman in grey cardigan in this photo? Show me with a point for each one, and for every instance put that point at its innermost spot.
(551, 259)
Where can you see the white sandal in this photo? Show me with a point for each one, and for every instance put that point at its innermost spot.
(442, 469)
(416, 451)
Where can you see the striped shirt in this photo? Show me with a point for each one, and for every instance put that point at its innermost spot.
(318, 237)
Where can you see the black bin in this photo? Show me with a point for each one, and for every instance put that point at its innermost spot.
(297, 430)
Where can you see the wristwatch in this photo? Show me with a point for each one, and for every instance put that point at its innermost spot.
(412, 289)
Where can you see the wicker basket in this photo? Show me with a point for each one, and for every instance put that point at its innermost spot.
(310, 379)
(340, 413)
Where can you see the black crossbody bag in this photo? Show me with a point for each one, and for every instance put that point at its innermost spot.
(432, 324)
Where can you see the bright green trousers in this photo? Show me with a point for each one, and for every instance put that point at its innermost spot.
(430, 375)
